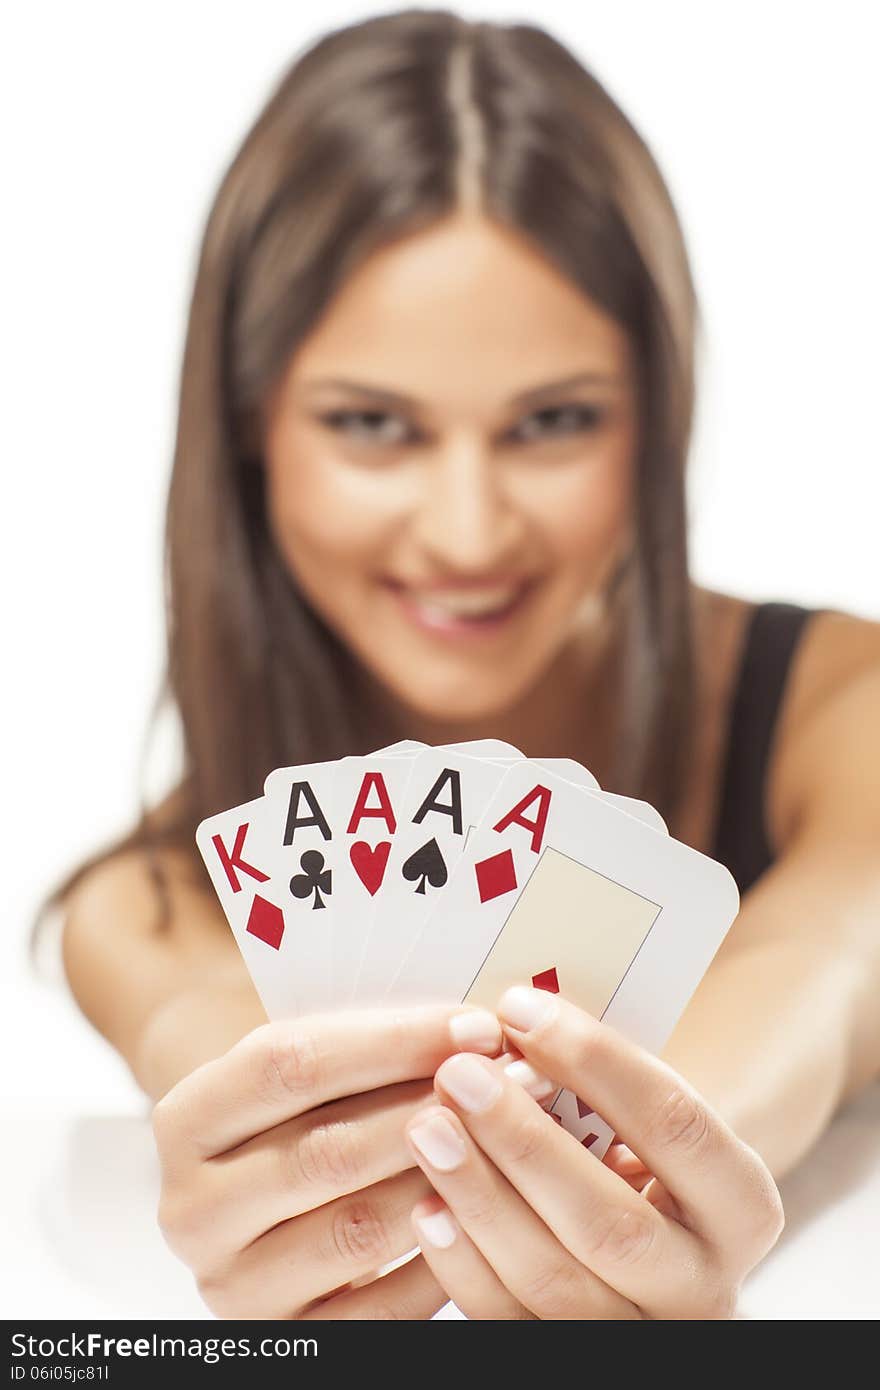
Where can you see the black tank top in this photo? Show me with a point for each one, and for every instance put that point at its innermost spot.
(741, 839)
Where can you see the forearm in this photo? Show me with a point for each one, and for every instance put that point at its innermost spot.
(191, 1028)
(767, 1040)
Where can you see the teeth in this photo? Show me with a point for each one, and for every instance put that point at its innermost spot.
(459, 604)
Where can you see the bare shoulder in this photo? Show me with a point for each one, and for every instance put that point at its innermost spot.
(148, 891)
(151, 890)
(827, 755)
(137, 929)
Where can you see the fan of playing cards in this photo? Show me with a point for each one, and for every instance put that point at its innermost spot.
(420, 873)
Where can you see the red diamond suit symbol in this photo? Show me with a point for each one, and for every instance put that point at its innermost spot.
(495, 876)
(547, 979)
(266, 921)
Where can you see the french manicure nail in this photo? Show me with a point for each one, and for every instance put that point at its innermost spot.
(525, 1008)
(476, 1030)
(474, 1085)
(437, 1228)
(538, 1086)
(438, 1143)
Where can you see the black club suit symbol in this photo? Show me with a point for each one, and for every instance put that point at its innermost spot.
(314, 878)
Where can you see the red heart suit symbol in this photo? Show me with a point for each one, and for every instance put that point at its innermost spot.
(368, 862)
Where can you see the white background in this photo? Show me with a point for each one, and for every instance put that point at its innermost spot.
(118, 122)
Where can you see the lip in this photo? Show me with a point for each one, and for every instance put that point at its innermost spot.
(414, 600)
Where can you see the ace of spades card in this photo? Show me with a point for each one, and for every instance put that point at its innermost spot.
(426, 865)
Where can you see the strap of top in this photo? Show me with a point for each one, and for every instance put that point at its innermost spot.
(741, 838)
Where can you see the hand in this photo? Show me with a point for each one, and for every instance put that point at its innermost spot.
(527, 1224)
(285, 1172)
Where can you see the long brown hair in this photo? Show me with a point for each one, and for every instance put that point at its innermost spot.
(375, 131)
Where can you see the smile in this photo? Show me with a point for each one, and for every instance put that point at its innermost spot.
(461, 609)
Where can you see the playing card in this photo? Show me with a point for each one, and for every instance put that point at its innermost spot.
(398, 926)
(579, 1118)
(579, 774)
(366, 797)
(562, 890)
(446, 796)
(592, 932)
(254, 905)
(530, 815)
(575, 772)
(298, 848)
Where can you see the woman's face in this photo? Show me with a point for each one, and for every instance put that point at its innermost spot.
(449, 465)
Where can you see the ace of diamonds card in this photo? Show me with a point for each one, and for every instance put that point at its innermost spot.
(560, 889)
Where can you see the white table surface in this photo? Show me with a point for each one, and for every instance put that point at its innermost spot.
(79, 1177)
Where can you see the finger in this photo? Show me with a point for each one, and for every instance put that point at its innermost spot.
(628, 1166)
(600, 1220)
(716, 1180)
(538, 1086)
(298, 1261)
(409, 1293)
(302, 1164)
(458, 1266)
(285, 1068)
(528, 1258)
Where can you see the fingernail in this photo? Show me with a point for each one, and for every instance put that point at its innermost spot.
(524, 1074)
(476, 1030)
(473, 1084)
(437, 1228)
(438, 1143)
(525, 1008)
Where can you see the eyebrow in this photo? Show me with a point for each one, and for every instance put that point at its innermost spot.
(531, 396)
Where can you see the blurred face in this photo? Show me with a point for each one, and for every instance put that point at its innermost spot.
(449, 466)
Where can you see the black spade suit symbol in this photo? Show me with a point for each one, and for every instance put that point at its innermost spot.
(313, 879)
(427, 864)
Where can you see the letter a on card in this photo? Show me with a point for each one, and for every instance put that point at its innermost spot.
(536, 825)
(366, 795)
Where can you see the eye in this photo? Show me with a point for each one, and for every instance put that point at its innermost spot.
(556, 421)
(368, 426)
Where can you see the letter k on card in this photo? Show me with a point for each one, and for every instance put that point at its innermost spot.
(254, 903)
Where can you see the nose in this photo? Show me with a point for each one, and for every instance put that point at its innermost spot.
(466, 522)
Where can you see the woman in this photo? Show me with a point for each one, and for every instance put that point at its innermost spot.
(434, 414)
